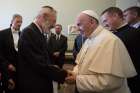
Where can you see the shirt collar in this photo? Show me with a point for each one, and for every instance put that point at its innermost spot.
(14, 31)
(136, 25)
(58, 34)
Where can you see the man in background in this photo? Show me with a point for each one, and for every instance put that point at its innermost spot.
(132, 16)
(78, 42)
(58, 47)
(8, 52)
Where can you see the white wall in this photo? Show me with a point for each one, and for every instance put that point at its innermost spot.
(67, 9)
(27, 8)
(123, 4)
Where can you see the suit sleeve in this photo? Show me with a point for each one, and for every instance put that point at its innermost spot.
(3, 62)
(4, 68)
(37, 59)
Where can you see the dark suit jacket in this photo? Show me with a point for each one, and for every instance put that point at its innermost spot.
(131, 39)
(58, 46)
(8, 54)
(138, 27)
(35, 74)
(79, 40)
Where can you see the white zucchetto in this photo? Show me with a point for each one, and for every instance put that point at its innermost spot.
(91, 13)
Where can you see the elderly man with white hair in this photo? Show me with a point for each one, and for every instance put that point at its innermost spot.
(34, 70)
(103, 63)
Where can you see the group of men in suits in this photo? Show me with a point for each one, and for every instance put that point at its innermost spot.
(9, 54)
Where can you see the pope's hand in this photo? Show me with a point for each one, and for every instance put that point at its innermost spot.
(71, 78)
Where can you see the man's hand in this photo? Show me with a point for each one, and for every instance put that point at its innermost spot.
(11, 84)
(11, 67)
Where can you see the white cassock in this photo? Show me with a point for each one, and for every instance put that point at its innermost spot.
(103, 64)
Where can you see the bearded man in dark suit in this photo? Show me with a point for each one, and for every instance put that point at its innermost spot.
(35, 72)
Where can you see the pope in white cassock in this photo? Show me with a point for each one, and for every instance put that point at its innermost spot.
(103, 63)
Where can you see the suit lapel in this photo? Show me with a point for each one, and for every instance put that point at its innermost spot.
(39, 34)
(10, 38)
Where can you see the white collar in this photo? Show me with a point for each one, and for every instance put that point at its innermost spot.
(14, 31)
(136, 25)
(96, 32)
(58, 35)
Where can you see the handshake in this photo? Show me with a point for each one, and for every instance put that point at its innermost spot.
(71, 77)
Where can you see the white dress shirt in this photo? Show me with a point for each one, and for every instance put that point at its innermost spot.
(16, 38)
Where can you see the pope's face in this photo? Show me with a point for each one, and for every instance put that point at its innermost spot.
(84, 25)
